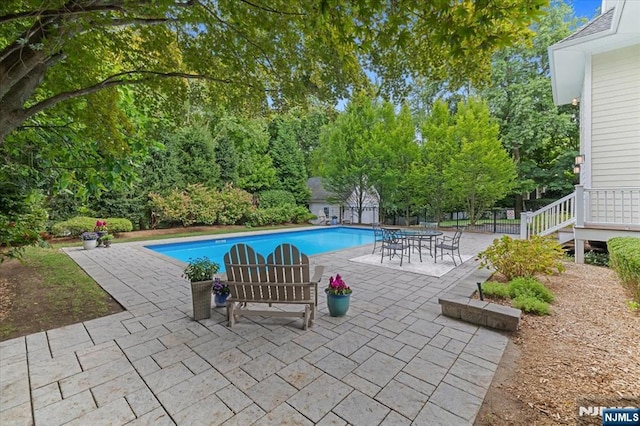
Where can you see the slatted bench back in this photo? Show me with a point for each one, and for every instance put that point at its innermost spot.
(284, 277)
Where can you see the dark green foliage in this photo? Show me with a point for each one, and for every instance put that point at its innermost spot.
(227, 159)
(126, 204)
(22, 226)
(275, 198)
(527, 286)
(624, 258)
(291, 173)
(194, 149)
(494, 289)
(531, 305)
(596, 258)
(77, 225)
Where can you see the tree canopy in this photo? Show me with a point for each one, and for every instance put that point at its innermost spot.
(53, 54)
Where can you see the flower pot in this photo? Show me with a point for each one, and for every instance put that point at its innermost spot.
(338, 304)
(220, 300)
(201, 299)
(89, 244)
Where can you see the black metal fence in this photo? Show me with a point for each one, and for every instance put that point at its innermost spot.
(497, 220)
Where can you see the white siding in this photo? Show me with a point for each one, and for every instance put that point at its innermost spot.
(615, 119)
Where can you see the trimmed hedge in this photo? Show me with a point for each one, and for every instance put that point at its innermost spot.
(77, 225)
(624, 258)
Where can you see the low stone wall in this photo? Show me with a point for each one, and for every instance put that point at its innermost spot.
(459, 304)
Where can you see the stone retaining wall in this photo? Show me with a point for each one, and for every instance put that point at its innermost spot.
(459, 304)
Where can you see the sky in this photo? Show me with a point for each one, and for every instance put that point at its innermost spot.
(585, 8)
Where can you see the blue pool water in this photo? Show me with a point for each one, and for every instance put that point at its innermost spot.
(313, 241)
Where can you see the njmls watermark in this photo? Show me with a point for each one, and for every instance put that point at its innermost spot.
(609, 411)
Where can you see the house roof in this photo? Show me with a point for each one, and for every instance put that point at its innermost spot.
(598, 24)
(614, 29)
(318, 193)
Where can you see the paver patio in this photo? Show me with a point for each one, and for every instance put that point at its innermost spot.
(394, 359)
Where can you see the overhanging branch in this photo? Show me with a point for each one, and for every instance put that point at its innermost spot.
(120, 80)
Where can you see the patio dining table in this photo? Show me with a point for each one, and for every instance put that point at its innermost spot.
(416, 237)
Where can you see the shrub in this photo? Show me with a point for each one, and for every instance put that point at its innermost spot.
(597, 259)
(275, 198)
(173, 208)
(234, 204)
(77, 225)
(531, 305)
(497, 290)
(202, 205)
(624, 258)
(287, 213)
(526, 293)
(529, 287)
(523, 258)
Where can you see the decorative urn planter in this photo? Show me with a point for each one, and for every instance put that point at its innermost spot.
(338, 304)
(89, 244)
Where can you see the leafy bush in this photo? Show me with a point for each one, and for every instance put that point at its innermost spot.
(202, 205)
(531, 305)
(173, 208)
(523, 258)
(596, 258)
(494, 289)
(22, 228)
(77, 225)
(529, 287)
(624, 258)
(526, 293)
(275, 198)
(235, 203)
(286, 213)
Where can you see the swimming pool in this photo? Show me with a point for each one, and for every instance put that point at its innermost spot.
(313, 241)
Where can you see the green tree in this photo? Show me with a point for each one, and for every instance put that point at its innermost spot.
(481, 172)
(288, 160)
(251, 142)
(345, 156)
(194, 150)
(429, 189)
(227, 158)
(246, 51)
(393, 150)
(541, 137)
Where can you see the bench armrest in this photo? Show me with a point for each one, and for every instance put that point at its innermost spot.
(317, 274)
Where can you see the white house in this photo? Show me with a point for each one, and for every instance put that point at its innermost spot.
(598, 68)
(346, 212)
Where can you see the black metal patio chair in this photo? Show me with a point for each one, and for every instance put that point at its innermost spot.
(449, 244)
(394, 242)
(377, 235)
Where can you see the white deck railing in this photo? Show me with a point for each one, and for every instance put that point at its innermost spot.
(610, 207)
(550, 218)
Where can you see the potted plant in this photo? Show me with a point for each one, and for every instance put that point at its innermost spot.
(200, 273)
(101, 229)
(89, 240)
(221, 292)
(338, 296)
(106, 240)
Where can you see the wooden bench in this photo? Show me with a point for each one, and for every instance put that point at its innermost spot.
(283, 279)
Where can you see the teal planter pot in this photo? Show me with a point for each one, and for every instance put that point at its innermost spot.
(338, 304)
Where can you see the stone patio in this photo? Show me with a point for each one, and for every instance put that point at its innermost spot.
(394, 359)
